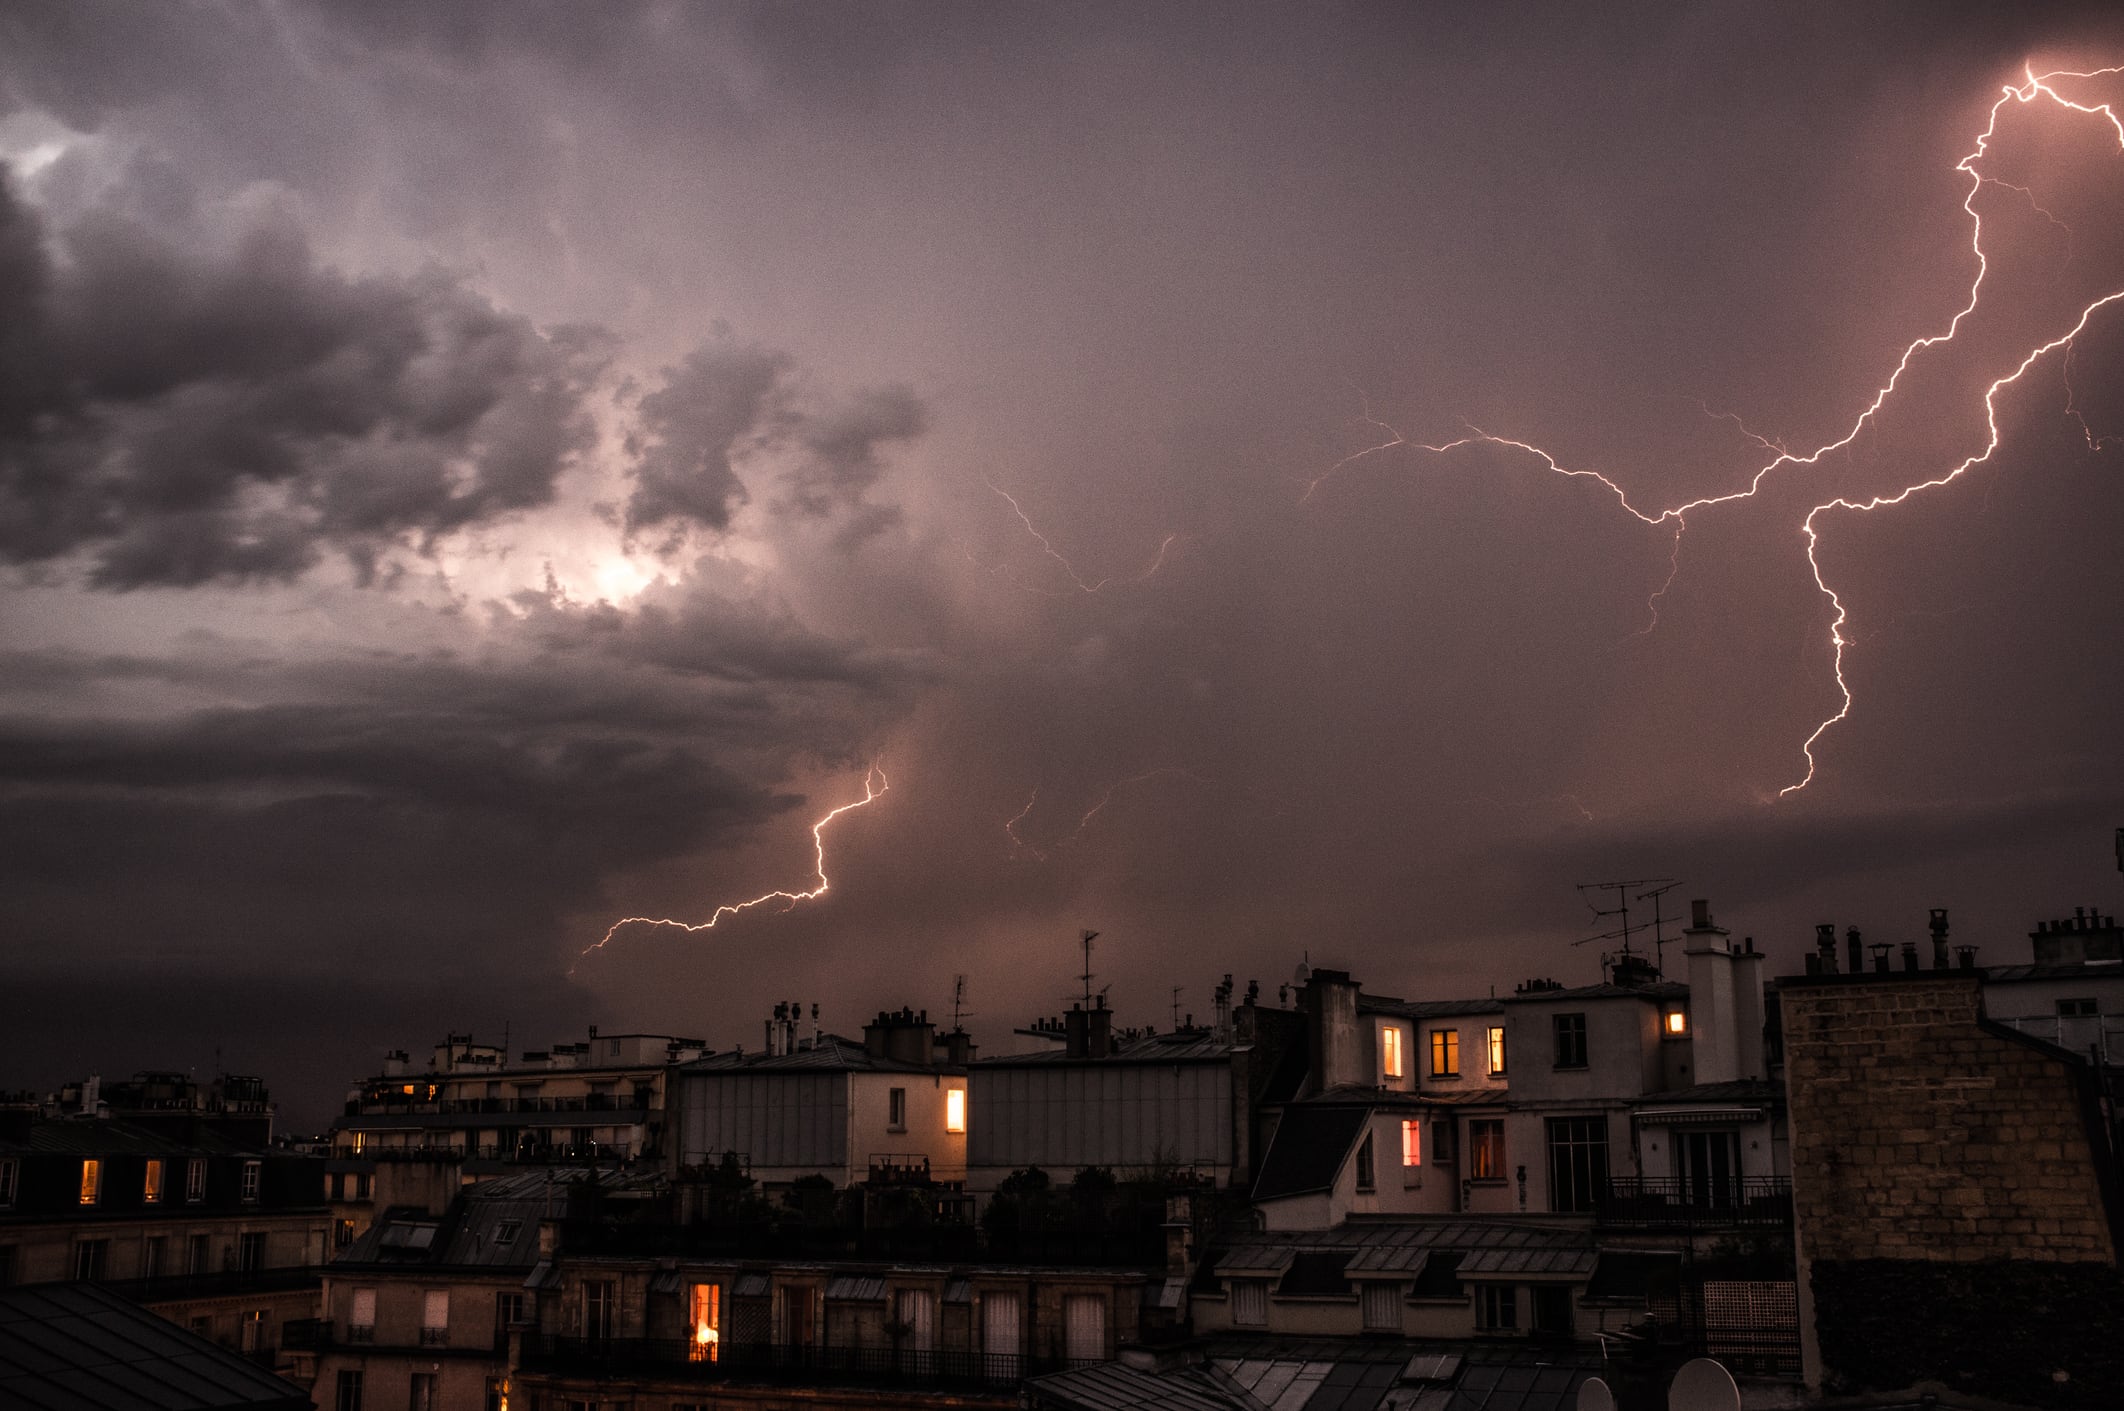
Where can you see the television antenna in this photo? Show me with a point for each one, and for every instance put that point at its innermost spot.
(1620, 893)
(1089, 937)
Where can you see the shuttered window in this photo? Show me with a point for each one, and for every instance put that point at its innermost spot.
(1382, 1307)
(1084, 1327)
(1249, 1303)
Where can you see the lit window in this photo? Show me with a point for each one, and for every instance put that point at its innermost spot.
(1445, 1053)
(409, 1090)
(1390, 1051)
(1497, 1063)
(707, 1316)
(1677, 1022)
(1411, 1142)
(151, 1187)
(91, 1180)
(955, 1109)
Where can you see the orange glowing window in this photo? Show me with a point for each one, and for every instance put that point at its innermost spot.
(1411, 1142)
(955, 1109)
(1390, 1051)
(409, 1090)
(151, 1186)
(1677, 1021)
(91, 1180)
(707, 1315)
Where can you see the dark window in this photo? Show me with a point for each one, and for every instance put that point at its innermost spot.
(1552, 1308)
(195, 1179)
(1578, 1162)
(422, 1397)
(1486, 1153)
(251, 1170)
(2078, 1008)
(1445, 1053)
(90, 1256)
(494, 1394)
(342, 1233)
(152, 1256)
(598, 1300)
(1365, 1173)
(198, 1254)
(349, 1398)
(1497, 1307)
(7, 1182)
(896, 1110)
(250, 1252)
(1570, 1040)
(7, 1265)
(508, 1308)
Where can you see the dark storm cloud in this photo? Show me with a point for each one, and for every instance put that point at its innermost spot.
(232, 415)
(727, 405)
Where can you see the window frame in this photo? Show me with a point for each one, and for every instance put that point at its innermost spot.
(1491, 1300)
(896, 1109)
(346, 1392)
(253, 1182)
(1250, 1303)
(195, 1180)
(1445, 1053)
(1572, 1048)
(91, 1180)
(955, 1111)
(2080, 1007)
(1391, 1064)
(1411, 1142)
(1569, 1142)
(1494, 1049)
(10, 1178)
(1486, 1150)
(1367, 1165)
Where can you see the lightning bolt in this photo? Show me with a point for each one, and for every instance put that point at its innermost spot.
(1047, 547)
(1042, 854)
(2037, 87)
(874, 786)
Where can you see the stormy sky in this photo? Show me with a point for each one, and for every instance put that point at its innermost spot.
(470, 474)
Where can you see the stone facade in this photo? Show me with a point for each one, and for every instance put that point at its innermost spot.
(1919, 1132)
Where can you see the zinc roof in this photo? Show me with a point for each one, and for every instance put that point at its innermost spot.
(77, 1347)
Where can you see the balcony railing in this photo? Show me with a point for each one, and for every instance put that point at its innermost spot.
(1676, 1203)
(674, 1359)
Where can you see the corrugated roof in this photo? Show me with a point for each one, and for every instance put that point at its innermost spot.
(752, 1285)
(1307, 1150)
(1256, 1259)
(1115, 1386)
(831, 1053)
(1181, 1046)
(77, 1347)
(1403, 1259)
(1658, 989)
(856, 1288)
(1560, 1262)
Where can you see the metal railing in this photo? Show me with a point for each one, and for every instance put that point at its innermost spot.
(1690, 1204)
(677, 1359)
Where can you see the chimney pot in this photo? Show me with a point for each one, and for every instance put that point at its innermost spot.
(1855, 946)
(1910, 956)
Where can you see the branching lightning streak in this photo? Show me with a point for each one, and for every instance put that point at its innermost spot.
(2037, 86)
(874, 786)
(1047, 547)
(1042, 854)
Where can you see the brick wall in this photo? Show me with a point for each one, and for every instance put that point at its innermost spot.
(1918, 1133)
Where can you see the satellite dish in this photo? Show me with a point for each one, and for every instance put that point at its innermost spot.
(1593, 1395)
(1703, 1385)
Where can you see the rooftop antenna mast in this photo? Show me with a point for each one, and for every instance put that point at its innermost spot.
(958, 1001)
(1176, 1007)
(1659, 934)
(1621, 891)
(1089, 937)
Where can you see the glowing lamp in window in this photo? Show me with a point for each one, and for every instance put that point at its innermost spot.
(1677, 1022)
(1411, 1142)
(1390, 1051)
(707, 1323)
(91, 1181)
(955, 1110)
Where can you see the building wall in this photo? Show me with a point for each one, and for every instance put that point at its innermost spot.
(1947, 1188)
(793, 1122)
(1623, 1056)
(870, 1133)
(1918, 1134)
(1064, 1116)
